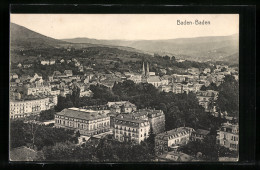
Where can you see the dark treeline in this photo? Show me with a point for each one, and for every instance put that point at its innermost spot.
(103, 150)
(37, 136)
(209, 149)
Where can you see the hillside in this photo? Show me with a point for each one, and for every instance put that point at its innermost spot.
(215, 48)
(22, 37)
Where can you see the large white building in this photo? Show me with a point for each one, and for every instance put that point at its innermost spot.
(87, 122)
(128, 129)
(24, 108)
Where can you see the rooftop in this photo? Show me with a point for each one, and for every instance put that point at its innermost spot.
(154, 79)
(81, 114)
(130, 122)
(174, 133)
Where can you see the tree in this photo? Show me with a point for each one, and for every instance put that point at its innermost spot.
(203, 88)
(60, 152)
(75, 95)
(228, 96)
(17, 134)
(47, 115)
(77, 134)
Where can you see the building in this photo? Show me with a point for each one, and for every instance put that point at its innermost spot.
(154, 80)
(206, 98)
(128, 107)
(87, 122)
(13, 76)
(129, 129)
(177, 88)
(145, 73)
(68, 73)
(47, 62)
(136, 78)
(228, 136)
(33, 89)
(87, 93)
(172, 138)
(199, 135)
(121, 107)
(165, 88)
(156, 119)
(24, 108)
(174, 156)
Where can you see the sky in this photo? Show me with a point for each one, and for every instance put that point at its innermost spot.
(127, 26)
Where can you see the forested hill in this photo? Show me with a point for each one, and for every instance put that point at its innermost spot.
(22, 37)
(216, 48)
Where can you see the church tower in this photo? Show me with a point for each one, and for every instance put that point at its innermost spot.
(147, 70)
(143, 72)
(144, 75)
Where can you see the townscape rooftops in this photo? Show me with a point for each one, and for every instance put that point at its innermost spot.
(81, 114)
(148, 112)
(174, 133)
(207, 93)
(229, 125)
(117, 103)
(30, 98)
(130, 122)
(153, 79)
(177, 156)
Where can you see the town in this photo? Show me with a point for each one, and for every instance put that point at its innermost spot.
(78, 112)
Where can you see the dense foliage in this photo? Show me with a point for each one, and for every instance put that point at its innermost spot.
(47, 115)
(37, 136)
(228, 98)
(209, 149)
(102, 150)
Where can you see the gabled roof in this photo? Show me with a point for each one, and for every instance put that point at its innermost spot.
(174, 133)
(81, 114)
(153, 79)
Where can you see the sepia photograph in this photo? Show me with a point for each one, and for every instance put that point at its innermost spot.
(108, 88)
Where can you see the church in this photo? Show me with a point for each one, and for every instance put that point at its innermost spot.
(148, 78)
(145, 73)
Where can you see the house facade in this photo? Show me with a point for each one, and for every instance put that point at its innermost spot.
(174, 137)
(128, 129)
(228, 136)
(87, 122)
(24, 108)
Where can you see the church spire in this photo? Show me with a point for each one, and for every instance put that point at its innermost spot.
(147, 70)
(143, 72)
